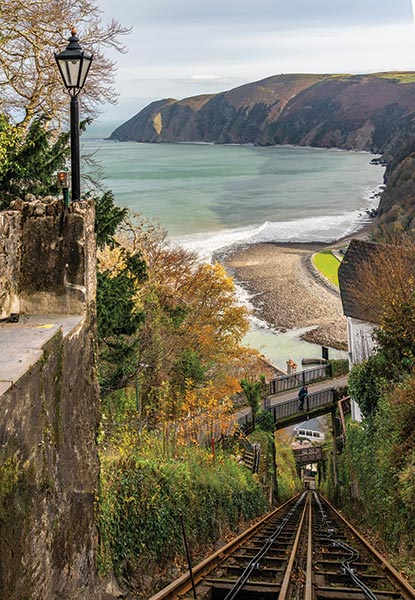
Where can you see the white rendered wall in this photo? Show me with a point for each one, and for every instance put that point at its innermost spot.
(361, 346)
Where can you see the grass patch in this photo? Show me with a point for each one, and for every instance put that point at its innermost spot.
(328, 265)
(399, 77)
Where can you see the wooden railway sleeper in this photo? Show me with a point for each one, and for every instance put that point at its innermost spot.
(264, 575)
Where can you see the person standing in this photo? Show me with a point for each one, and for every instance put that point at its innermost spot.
(302, 395)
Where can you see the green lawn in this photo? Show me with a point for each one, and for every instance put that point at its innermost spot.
(328, 265)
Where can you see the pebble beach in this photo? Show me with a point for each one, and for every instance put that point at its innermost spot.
(287, 292)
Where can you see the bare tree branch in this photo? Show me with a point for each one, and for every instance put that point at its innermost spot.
(31, 31)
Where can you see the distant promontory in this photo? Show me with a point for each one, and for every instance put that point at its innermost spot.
(354, 112)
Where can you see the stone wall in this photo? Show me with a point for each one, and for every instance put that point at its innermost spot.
(49, 411)
(10, 253)
(47, 257)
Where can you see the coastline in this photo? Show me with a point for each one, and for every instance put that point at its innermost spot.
(285, 289)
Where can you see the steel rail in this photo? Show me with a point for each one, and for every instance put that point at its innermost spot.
(283, 595)
(183, 584)
(308, 593)
(353, 553)
(256, 560)
(400, 584)
(346, 564)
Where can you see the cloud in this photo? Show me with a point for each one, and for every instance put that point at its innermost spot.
(180, 48)
(204, 78)
(295, 12)
(259, 53)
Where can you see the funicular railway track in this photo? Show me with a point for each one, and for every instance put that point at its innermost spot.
(303, 550)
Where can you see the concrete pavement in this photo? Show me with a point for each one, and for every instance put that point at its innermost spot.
(22, 343)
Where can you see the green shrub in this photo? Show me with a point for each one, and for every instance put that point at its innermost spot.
(265, 421)
(376, 471)
(142, 496)
(367, 382)
(339, 367)
(288, 481)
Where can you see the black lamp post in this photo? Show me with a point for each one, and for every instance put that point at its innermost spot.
(74, 66)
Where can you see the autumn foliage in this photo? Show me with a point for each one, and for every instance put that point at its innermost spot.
(184, 356)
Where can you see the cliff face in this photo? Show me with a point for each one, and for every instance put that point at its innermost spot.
(397, 204)
(362, 112)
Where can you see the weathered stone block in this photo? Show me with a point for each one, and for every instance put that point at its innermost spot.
(10, 255)
(44, 265)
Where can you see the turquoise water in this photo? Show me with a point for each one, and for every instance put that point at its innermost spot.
(209, 197)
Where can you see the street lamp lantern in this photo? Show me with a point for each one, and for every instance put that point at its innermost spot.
(74, 65)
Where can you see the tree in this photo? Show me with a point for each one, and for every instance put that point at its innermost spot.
(118, 282)
(9, 139)
(28, 163)
(253, 393)
(118, 320)
(385, 288)
(194, 324)
(108, 217)
(31, 31)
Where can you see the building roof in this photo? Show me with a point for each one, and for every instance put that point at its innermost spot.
(355, 263)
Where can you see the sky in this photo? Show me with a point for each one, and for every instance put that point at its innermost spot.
(180, 48)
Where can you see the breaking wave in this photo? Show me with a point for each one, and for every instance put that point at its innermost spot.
(313, 229)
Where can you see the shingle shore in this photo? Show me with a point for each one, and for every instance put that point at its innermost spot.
(286, 292)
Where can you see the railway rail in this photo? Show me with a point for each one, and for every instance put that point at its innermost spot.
(304, 550)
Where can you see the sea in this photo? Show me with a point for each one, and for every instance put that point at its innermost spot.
(210, 198)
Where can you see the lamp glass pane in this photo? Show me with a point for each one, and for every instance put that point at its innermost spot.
(70, 71)
(73, 67)
(86, 63)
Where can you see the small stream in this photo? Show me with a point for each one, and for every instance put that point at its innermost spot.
(279, 347)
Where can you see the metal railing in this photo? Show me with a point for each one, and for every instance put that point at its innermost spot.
(288, 382)
(324, 399)
(288, 408)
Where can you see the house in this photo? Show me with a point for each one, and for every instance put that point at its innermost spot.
(361, 312)
(371, 277)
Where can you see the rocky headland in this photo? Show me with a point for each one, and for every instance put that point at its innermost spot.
(373, 112)
(354, 112)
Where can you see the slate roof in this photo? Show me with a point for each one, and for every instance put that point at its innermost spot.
(354, 263)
